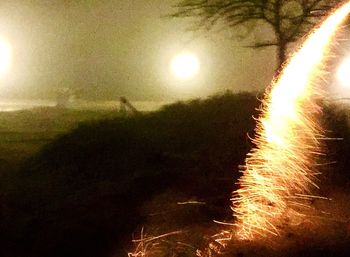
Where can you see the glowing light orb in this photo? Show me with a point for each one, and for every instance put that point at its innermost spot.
(185, 66)
(343, 73)
(5, 57)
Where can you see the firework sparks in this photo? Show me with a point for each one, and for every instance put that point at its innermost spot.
(280, 172)
(148, 246)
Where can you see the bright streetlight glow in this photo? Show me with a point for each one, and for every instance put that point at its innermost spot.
(343, 73)
(185, 65)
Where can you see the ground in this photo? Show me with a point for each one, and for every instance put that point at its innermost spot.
(23, 133)
(164, 176)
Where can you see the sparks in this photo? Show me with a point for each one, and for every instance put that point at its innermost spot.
(282, 166)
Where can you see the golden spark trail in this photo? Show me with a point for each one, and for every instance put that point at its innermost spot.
(280, 171)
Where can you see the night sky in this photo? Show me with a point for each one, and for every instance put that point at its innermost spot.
(106, 49)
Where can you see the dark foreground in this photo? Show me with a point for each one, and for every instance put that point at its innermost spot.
(85, 192)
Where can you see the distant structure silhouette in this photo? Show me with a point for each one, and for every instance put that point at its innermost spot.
(126, 106)
(65, 96)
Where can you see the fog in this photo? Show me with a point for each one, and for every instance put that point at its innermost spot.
(105, 49)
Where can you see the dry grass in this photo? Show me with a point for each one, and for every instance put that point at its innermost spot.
(158, 246)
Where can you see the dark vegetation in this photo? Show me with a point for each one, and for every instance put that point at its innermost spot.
(23, 133)
(86, 192)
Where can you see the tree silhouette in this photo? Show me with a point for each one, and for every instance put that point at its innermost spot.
(288, 19)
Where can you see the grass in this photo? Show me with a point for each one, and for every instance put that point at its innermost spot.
(82, 189)
(23, 133)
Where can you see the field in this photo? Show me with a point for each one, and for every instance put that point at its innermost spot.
(82, 183)
(24, 132)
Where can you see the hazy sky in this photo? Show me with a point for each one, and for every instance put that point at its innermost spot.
(111, 48)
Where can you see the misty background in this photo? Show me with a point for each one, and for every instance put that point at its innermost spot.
(105, 49)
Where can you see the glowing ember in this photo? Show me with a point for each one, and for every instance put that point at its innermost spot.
(280, 171)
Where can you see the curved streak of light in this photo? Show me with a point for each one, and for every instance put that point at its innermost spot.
(283, 163)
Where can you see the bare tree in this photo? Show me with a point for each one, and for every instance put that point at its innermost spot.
(288, 19)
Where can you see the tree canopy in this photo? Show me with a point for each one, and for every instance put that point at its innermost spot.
(288, 19)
